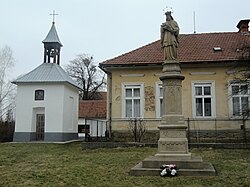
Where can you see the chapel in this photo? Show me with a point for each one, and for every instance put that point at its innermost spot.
(47, 99)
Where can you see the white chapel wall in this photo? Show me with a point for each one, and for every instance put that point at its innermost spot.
(70, 110)
(52, 106)
(24, 109)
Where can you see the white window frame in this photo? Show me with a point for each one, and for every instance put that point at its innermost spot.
(132, 85)
(230, 95)
(158, 98)
(212, 96)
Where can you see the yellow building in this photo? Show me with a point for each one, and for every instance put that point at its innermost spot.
(210, 98)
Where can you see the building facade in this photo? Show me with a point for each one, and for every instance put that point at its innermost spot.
(211, 97)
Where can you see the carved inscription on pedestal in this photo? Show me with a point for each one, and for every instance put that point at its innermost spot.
(172, 146)
(173, 134)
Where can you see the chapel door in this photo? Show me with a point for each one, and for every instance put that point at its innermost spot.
(40, 120)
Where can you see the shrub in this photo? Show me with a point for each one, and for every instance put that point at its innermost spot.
(6, 131)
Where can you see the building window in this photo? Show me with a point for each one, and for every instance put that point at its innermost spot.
(239, 97)
(159, 100)
(39, 95)
(203, 100)
(133, 103)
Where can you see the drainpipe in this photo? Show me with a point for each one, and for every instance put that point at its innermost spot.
(110, 103)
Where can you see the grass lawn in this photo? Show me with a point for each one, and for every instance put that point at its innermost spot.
(68, 165)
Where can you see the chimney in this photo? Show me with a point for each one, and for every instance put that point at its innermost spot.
(243, 25)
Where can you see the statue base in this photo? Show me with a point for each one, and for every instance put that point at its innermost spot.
(173, 143)
(171, 66)
(173, 149)
(193, 166)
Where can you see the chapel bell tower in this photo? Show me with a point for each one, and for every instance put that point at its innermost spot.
(47, 98)
(52, 46)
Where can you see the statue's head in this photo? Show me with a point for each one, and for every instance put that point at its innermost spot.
(168, 16)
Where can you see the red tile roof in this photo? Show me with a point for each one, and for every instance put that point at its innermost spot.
(193, 48)
(92, 109)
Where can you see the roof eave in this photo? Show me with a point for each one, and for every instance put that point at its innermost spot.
(47, 82)
(58, 42)
(131, 64)
(155, 64)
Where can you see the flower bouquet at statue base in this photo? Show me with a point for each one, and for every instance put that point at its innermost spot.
(168, 170)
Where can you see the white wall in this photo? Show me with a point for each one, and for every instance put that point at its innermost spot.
(70, 110)
(93, 129)
(60, 112)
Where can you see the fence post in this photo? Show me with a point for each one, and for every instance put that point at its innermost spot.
(101, 128)
(216, 130)
(244, 130)
(197, 138)
(107, 130)
(188, 130)
(85, 129)
(87, 135)
(110, 129)
(97, 130)
(135, 129)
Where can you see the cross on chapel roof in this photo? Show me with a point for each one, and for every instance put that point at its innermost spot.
(54, 14)
(52, 36)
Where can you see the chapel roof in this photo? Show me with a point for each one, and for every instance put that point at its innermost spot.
(193, 48)
(47, 73)
(52, 36)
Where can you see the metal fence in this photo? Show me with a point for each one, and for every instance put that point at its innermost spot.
(218, 131)
(93, 130)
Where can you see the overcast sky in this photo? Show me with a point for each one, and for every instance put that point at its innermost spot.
(105, 28)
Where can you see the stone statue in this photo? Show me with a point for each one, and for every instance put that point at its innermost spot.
(169, 37)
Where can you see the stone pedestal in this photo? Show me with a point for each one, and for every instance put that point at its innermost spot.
(173, 143)
(173, 140)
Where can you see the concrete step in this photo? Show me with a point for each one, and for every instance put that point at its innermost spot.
(206, 170)
(157, 162)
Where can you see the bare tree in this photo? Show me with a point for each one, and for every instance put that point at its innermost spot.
(6, 88)
(138, 128)
(88, 76)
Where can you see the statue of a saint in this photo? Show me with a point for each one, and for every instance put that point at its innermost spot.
(169, 37)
